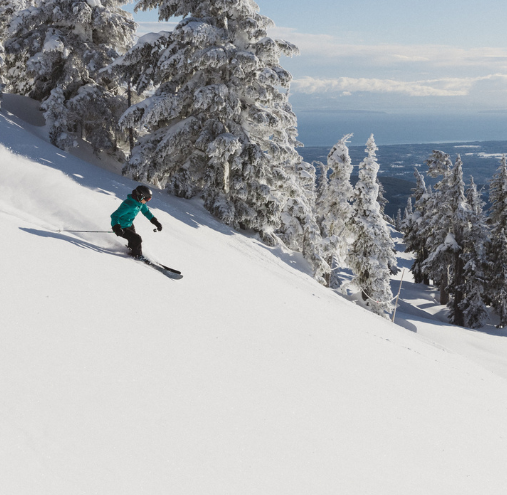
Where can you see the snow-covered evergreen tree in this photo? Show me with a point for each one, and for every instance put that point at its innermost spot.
(409, 209)
(459, 219)
(498, 280)
(334, 207)
(399, 221)
(7, 10)
(371, 255)
(437, 225)
(497, 289)
(2, 62)
(476, 264)
(298, 223)
(498, 197)
(455, 234)
(55, 53)
(407, 216)
(219, 123)
(414, 226)
(299, 229)
(2, 51)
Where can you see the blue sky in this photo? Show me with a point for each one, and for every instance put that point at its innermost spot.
(396, 56)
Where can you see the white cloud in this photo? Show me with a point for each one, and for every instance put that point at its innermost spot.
(430, 87)
(337, 50)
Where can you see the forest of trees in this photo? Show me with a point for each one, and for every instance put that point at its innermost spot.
(456, 244)
(204, 111)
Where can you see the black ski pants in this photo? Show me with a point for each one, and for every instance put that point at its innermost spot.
(134, 239)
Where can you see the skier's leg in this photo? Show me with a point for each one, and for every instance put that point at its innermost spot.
(135, 240)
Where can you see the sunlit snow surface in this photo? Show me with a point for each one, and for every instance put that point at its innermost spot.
(245, 377)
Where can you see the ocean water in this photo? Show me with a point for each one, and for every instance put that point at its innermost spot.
(326, 128)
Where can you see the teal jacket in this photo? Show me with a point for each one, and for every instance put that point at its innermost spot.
(127, 211)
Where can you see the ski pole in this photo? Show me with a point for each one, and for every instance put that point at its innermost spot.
(96, 231)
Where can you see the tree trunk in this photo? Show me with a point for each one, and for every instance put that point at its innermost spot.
(459, 317)
(426, 278)
(327, 276)
(444, 296)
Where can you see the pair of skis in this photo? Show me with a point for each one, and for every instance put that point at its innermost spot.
(168, 272)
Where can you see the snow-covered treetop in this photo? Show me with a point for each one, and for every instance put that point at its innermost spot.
(368, 170)
(199, 8)
(439, 163)
(457, 185)
(474, 199)
(338, 158)
(420, 190)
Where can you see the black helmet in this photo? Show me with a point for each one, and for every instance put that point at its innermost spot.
(142, 192)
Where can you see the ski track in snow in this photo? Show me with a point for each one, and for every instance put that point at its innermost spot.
(245, 377)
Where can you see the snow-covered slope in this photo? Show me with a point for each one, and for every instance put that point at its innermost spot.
(245, 377)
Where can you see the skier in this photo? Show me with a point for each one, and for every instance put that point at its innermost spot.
(122, 219)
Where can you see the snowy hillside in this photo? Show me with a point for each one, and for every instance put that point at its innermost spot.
(245, 377)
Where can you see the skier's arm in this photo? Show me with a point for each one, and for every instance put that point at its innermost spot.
(146, 212)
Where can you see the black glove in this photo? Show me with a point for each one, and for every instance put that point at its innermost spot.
(157, 224)
(118, 230)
